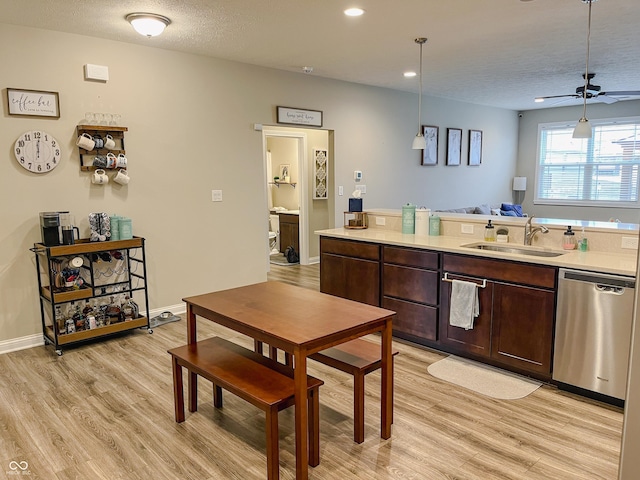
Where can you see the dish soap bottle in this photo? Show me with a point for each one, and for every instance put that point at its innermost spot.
(569, 239)
(489, 233)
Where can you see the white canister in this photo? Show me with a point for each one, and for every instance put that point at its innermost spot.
(422, 221)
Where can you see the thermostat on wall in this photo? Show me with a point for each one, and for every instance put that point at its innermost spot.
(96, 72)
(357, 175)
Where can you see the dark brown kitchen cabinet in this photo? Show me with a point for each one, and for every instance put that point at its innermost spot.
(289, 231)
(515, 325)
(350, 270)
(410, 280)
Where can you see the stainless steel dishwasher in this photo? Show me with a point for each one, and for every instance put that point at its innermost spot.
(593, 331)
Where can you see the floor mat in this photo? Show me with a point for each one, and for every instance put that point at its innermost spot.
(489, 381)
(279, 259)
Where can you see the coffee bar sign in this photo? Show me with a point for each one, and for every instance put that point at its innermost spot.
(33, 102)
(298, 116)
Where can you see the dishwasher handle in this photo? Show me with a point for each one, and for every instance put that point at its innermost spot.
(609, 289)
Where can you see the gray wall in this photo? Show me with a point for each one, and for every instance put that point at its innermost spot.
(527, 158)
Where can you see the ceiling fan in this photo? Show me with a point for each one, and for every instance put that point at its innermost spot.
(594, 91)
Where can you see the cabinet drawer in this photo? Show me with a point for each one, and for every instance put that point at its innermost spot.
(412, 284)
(289, 218)
(348, 248)
(514, 272)
(412, 318)
(410, 257)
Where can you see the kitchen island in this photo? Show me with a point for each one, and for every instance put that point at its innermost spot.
(412, 275)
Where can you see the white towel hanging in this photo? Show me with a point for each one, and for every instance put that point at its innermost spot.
(464, 305)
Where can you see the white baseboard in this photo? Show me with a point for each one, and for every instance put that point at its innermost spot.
(313, 260)
(37, 340)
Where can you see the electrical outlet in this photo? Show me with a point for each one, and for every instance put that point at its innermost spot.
(362, 188)
(466, 228)
(381, 221)
(216, 195)
(630, 243)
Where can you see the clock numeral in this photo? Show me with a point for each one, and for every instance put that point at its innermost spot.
(39, 167)
(57, 154)
(21, 143)
(53, 143)
(29, 165)
(36, 135)
(46, 138)
(27, 137)
(18, 151)
(48, 166)
(55, 160)
(22, 160)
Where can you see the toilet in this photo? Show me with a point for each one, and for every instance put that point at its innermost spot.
(274, 234)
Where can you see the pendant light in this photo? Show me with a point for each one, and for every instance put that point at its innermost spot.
(419, 142)
(583, 128)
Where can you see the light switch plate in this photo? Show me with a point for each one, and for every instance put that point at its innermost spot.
(216, 195)
(340, 190)
(362, 188)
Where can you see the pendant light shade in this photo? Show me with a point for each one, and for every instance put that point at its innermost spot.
(419, 142)
(583, 128)
(148, 24)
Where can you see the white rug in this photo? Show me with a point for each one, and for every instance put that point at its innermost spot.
(279, 259)
(483, 379)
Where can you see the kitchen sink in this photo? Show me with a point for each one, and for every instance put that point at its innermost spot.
(519, 249)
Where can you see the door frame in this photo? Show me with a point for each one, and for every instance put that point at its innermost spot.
(302, 184)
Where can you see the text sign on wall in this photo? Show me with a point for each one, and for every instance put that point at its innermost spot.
(33, 102)
(298, 116)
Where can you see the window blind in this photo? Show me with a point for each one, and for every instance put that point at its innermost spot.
(602, 170)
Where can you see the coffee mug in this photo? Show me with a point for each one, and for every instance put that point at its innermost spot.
(109, 142)
(85, 141)
(100, 177)
(112, 160)
(100, 161)
(122, 177)
(99, 142)
(121, 162)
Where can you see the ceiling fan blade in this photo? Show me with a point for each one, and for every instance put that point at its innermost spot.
(607, 99)
(561, 96)
(623, 93)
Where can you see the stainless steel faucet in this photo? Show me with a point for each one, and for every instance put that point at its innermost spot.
(529, 232)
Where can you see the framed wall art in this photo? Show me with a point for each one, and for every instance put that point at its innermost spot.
(454, 146)
(33, 102)
(475, 147)
(430, 153)
(320, 172)
(299, 116)
(284, 173)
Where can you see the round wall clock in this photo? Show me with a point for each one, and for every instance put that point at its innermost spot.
(37, 151)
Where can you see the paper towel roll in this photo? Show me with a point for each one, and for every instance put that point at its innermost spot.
(422, 221)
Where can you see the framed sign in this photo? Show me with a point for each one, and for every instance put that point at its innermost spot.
(475, 147)
(454, 146)
(430, 153)
(298, 116)
(33, 102)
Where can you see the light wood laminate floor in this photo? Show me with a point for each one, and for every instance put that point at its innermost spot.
(105, 411)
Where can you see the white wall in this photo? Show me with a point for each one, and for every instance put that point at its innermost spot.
(190, 121)
(528, 150)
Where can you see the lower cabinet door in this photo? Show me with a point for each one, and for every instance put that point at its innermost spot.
(523, 327)
(477, 340)
(351, 278)
(413, 320)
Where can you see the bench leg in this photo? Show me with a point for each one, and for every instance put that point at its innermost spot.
(193, 391)
(178, 394)
(273, 453)
(217, 396)
(314, 427)
(358, 407)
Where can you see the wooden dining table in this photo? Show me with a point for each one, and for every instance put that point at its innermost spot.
(300, 322)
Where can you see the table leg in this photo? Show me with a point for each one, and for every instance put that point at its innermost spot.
(386, 395)
(192, 377)
(301, 427)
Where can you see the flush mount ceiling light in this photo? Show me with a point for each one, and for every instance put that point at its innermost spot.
(419, 142)
(583, 128)
(148, 24)
(409, 74)
(353, 12)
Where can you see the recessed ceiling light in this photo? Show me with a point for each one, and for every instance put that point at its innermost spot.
(409, 74)
(353, 12)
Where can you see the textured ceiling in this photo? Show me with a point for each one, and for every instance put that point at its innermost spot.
(501, 53)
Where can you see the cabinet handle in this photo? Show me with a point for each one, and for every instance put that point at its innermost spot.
(447, 279)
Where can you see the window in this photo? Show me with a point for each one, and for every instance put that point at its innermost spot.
(599, 171)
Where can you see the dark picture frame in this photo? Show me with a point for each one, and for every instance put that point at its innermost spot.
(454, 146)
(475, 147)
(299, 116)
(430, 153)
(34, 103)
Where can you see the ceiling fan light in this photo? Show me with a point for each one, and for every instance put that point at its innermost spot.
(583, 129)
(148, 24)
(538, 99)
(419, 142)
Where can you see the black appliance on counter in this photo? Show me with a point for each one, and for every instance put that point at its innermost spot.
(50, 226)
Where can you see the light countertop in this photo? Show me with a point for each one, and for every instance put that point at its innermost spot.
(613, 263)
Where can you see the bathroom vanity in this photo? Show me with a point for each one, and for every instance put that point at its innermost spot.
(289, 231)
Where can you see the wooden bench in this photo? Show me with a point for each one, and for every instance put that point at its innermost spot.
(356, 357)
(257, 379)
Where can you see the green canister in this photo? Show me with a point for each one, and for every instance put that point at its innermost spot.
(408, 218)
(434, 225)
(126, 230)
(114, 221)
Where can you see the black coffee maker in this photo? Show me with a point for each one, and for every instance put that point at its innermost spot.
(50, 226)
